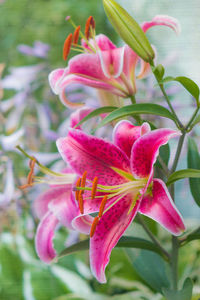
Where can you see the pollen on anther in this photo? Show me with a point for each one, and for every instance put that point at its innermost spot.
(94, 225)
(80, 201)
(67, 46)
(76, 35)
(25, 186)
(94, 188)
(30, 175)
(102, 206)
(83, 180)
(77, 191)
(89, 23)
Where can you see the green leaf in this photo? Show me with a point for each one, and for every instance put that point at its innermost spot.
(193, 159)
(181, 174)
(125, 241)
(137, 109)
(186, 82)
(80, 246)
(189, 85)
(165, 153)
(96, 113)
(195, 235)
(151, 267)
(184, 294)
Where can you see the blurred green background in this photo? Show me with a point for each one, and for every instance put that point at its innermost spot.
(22, 275)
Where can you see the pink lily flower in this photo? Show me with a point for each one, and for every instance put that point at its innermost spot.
(119, 185)
(103, 65)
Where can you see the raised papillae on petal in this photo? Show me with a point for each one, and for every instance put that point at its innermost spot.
(146, 149)
(160, 207)
(97, 156)
(125, 134)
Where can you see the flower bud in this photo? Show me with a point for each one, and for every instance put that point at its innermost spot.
(129, 30)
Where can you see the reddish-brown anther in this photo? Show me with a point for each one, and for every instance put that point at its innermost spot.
(67, 46)
(94, 225)
(89, 23)
(80, 202)
(76, 35)
(102, 206)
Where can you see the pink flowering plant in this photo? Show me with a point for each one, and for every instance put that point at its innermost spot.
(112, 184)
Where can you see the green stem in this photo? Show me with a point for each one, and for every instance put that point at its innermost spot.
(192, 119)
(174, 263)
(178, 152)
(132, 97)
(152, 237)
(137, 118)
(180, 125)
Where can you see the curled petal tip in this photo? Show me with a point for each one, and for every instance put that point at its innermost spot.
(163, 20)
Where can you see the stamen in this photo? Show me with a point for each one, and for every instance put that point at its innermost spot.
(67, 46)
(23, 187)
(102, 206)
(76, 35)
(30, 175)
(77, 191)
(94, 188)
(94, 225)
(89, 23)
(80, 202)
(83, 180)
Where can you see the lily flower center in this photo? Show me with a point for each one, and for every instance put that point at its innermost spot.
(108, 194)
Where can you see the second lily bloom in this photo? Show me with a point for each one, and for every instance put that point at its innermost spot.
(103, 65)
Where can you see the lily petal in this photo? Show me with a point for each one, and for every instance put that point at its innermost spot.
(109, 230)
(54, 78)
(146, 149)
(44, 237)
(78, 115)
(64, 208)
(97, 156)
(160, 207)
(112, 62)
(104, 43)
(163, 20)
(125, 134)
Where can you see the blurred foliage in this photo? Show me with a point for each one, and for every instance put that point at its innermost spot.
(24, 21)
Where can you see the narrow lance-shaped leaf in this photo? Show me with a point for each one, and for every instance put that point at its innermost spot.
(96, 113)
(128, 29)
(125, 241)
(181, 174)
(137, 109)
(195, 235)
(151, 267)
(187, 83)
(193, 159)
